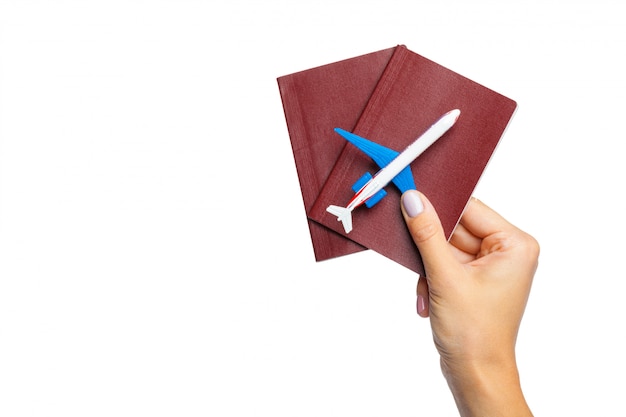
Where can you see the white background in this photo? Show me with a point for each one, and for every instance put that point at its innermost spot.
(154, 251)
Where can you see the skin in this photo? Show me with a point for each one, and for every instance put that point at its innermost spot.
(475, 293)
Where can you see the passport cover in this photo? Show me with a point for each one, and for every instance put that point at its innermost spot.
(314, 102)
(412, 93)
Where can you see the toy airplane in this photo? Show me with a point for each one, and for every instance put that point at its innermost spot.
(394, 166)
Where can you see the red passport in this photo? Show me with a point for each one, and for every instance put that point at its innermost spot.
(409, 95)
(314, 102)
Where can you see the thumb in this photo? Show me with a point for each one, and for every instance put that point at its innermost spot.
(427, 232)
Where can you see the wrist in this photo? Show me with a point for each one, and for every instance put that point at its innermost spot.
(487, 389)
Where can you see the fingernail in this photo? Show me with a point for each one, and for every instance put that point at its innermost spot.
(412, 203)
(421, 304)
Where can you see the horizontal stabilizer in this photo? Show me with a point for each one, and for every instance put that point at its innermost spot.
(343, 215)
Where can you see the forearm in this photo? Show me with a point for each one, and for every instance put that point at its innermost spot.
(491, 390)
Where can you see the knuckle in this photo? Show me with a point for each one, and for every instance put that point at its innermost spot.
(423, 232)
(530, 245)
(533, 246)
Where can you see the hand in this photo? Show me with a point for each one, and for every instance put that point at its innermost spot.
(475, 292)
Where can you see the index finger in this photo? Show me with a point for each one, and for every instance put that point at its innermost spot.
(482, 221)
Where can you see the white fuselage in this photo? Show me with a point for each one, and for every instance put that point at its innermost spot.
(415, 149)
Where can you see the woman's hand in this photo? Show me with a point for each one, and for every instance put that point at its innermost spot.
(475, 292)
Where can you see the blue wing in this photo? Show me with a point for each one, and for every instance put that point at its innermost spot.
(382, 156)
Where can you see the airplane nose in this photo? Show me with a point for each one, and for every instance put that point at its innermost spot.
(456, 113)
